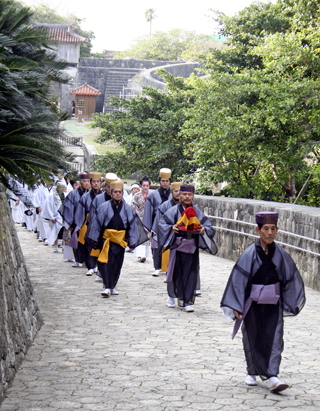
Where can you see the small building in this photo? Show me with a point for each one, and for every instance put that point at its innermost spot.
(64, 41)
(66, 44)
(85, 100)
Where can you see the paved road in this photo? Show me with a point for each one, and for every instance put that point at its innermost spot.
(131, 352)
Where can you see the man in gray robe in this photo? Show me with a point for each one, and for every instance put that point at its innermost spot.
(115, 227)
(67, 211)
(183, 267)
(264, 286)
(153, 202)
(81, 220)
(106, 196)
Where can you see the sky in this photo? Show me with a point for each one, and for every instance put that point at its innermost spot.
(117, 24)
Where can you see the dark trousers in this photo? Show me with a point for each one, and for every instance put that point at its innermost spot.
(156, 259)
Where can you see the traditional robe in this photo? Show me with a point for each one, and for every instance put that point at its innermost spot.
(184, 254)
(81, 218)
(100, 199)
(109, 217)
(39, 198)
(153, 202)
(67, 211)
(262, 326)
(138, 203)
(49, 213)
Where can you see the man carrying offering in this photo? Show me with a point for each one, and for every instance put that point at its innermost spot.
(184, 229)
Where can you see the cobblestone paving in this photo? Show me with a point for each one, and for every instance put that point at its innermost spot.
(131, 352)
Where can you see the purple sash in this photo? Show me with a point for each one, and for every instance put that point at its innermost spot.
(181, 244)
(262, 294)
(74, 238)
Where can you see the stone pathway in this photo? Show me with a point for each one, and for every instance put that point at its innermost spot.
(131, 352)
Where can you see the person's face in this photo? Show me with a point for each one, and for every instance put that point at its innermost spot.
(164, 183)
(107, 189)
(95, 184)
(186, 198)
(267, 234)
(117, 194)
(76, 185)
(145, 186)
(85, 184)
(135, 190)
(176, 194)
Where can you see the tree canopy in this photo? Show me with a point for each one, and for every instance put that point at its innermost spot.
(148, 130)
(29, 121)
(174, 45)
(256, 119)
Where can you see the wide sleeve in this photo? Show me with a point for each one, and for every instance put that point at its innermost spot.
(165, 234)
(80, 212)
(96, 224)
(234, 294)
(67, 209)
(292, 286)
(148, 213)
(206, 241)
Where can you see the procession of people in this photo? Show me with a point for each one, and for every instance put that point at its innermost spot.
(97, 221)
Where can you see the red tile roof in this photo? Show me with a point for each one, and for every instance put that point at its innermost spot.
(62, 33)
(85, 90)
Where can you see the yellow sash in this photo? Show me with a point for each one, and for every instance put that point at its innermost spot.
(83, 230)
(165, 261)
(116, 237)
(95, 253)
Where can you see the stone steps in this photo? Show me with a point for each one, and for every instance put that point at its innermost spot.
(116, 80)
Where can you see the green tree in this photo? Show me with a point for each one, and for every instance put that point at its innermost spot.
(44, 14)
(148, 131)
(168, 46)
(199, 48)
(244, 31)
(150, 15)
(256, 118)
(29, 121)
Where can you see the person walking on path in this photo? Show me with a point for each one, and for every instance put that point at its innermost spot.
(154, 200)
(67, 211)
(138, 203)
(184, 229)
(264, 285)
(114, 227)
(81, 220)
(164, 207)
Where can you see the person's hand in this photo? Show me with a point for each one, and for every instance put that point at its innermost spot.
(39, 209)
(202, 230)
(175, 229)
(17, 202)
(237, 315)
(54, 221)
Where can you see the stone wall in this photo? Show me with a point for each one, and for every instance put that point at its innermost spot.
(151, 78)
(234, 221)
(100, 72)
(20, 318)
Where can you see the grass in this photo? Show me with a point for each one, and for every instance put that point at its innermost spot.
(89, 134)
(109, 147)
(74, 127)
